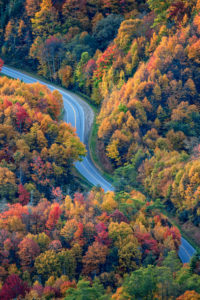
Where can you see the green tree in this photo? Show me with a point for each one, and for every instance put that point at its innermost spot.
(45, 21)
(125, 178)
(187, 281)
(160, 8)
(79, 75)
(85, 291)
(166, 286)
(172, 262)
(68, 263)
(141, 284)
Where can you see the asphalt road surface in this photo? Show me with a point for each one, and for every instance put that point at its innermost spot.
(186, 251)
(76, 113)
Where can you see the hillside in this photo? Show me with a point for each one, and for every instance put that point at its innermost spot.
(137, 60)
(58, 246)
(37, 150)
(138, 63)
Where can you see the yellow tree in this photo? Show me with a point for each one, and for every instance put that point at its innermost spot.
(32, 6)
(65, 75)
(45, 20)
(48, 264)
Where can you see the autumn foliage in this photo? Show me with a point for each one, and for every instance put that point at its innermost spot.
(138, 62)
(33, 140)
(54, 244)
(1, 64)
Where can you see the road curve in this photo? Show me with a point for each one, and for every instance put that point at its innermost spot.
(75, 113)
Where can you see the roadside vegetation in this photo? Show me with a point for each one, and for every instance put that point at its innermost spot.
(137, 65)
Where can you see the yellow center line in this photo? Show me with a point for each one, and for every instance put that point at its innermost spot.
(75, 127)
(73, 111)
(83, 163)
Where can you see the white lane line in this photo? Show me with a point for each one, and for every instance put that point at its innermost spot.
(184, 249)
(95, 178)
(98, 175)
(72, 109)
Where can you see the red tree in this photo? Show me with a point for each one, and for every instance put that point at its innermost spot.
(118, 216)
(90, 67)
(177, 11)
(1, 64)
(13, 287)
(102, 234)
(148, 243)
(6, 102)
(21, 116)
(28, 251)
(24, 195)
(78, 197)
(53, 216)
(57, 194)
(41, 171)
(55, 245)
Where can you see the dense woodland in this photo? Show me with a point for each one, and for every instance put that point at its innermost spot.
(102, 246)
(139, 63)
(36, 149)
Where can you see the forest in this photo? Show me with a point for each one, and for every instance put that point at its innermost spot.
(138, 63)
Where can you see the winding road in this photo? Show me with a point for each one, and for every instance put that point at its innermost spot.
(76, 112)
(81, 116)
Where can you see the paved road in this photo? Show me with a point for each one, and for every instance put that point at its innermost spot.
(186, 251)
(75, 113)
